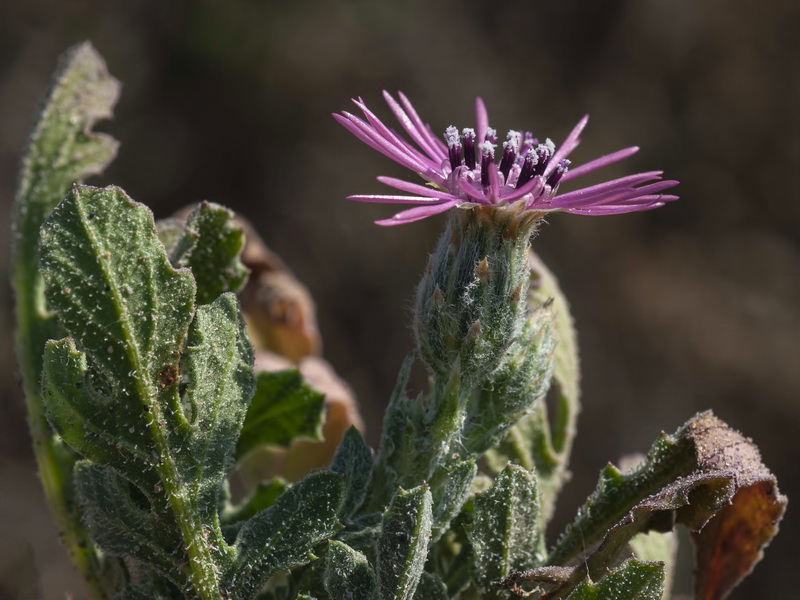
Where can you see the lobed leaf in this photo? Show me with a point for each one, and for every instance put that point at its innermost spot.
(109, 279)
(706, 477)
(62, 150)
(92, 424)
(157, 393)
(211, 246)
(218, 373)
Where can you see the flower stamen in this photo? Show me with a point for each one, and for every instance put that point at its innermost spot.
(510, 148)
(487, 158)
(453, 147)
(468, 141)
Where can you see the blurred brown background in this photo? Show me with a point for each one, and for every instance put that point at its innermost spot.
(689, 307)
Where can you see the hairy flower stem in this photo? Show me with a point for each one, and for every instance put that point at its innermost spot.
(488, 358)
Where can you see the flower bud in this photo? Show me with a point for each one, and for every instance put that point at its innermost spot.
(471, 301)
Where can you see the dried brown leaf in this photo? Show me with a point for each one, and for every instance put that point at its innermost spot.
(706, 477)
(730, 545)
(278, 308)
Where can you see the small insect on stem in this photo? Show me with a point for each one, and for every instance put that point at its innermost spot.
(167, 375)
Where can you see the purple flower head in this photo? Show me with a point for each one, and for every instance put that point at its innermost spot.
(472, 167)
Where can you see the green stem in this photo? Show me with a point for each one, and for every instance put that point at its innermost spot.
(201, 573)
(604, 510)
(54, 460)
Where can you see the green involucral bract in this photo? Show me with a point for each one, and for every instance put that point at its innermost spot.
(489, 356)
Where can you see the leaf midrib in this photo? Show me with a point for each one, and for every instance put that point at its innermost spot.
(185, 515)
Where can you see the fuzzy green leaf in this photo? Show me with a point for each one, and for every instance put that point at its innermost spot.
(505, 528)
(450, 488)
(348, 575)
(89, 420)
(661, 547)
(62, 150)
(354, 461)
(284, 535)
(403, 544)
(211, 246)
(121, 525)
(431, 587)
(124, 392)
(283, 408)
(632, 580)
(108, 277)
(397, 451)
